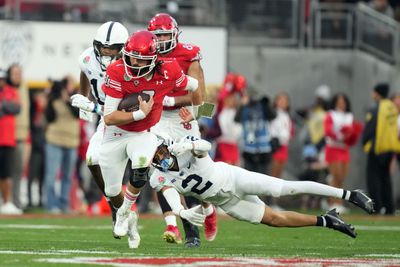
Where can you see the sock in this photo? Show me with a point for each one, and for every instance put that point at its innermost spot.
(324, 221)
(208, 211)
(170, 220)
(129, 200)
(346, 194)
(190, 230)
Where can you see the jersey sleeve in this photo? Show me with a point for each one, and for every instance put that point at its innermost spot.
(112, 84)
(192, 52)
(180, 77)
(158, 180)
(84, 60)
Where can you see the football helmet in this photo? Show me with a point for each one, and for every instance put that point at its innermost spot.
(142, 45)
(112, 35)
(163, 23)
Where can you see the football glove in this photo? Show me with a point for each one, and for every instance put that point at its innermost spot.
(194, 215)
(180, 148)
(82, 102)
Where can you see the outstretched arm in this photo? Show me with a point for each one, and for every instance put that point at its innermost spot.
(198, 147)
(193, 215)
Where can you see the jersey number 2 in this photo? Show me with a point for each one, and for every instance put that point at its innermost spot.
(195, 188)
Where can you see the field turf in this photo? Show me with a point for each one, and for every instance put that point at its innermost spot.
(39, 240)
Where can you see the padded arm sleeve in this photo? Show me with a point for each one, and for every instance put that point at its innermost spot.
(192, 84)
(111, 104)
(173, 199)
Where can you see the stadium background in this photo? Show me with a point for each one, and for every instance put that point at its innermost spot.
(291, 45)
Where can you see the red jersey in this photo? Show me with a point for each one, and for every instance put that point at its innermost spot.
(7, 121)
(184, 54)
(167, 77)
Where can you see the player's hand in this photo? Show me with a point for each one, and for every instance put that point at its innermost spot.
(179, 148)
(185, 115)
(194, 215)
(168, 101)
(145, 106)
(82, 102)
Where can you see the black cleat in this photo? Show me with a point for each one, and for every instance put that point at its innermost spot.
(358, 198)
(192, 242)
(339, 225)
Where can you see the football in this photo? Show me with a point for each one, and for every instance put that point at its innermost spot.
(130, 102)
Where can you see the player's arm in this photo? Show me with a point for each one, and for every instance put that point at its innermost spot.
(193, 215)
(196, 71)
(113, 116)
(198, 147)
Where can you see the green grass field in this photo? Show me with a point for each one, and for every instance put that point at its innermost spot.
(34, 240)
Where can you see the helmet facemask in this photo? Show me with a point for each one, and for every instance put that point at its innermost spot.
(105, 61)
(135, 71)
(163, 160)
(167, 45)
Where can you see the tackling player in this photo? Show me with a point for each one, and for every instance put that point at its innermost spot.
(93, 62)
(186, 167)
(188, 56)
(127, 135)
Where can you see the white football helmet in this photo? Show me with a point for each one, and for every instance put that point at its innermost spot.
(112, 35)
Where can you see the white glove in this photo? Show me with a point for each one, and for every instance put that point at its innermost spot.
(82, 102)
(180, 148)
(194, 215)
(168, 101)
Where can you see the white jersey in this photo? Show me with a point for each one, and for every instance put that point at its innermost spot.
(201, 178)
(91, 67)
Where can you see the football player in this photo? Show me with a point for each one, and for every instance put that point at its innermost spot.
(127, 134)
(93, 62)
(186, 167)
(188, 56)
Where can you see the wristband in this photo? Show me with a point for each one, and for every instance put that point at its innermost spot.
(138, 115)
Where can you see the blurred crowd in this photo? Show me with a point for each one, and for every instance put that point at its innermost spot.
(43, 143)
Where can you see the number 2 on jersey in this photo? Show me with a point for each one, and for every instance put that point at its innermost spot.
(195, 188)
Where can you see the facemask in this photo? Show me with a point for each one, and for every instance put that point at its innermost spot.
(166, 163)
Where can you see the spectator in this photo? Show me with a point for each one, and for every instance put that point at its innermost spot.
(227, 143)
(38, 141)
(9, 107)
(255, 116)
(380, 140)
(62, 137)
(282, 129)
(22, 151)
(341, 132)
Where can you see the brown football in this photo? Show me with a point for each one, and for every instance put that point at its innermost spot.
(130, 102)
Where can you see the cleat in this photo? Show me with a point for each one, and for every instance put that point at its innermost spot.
(172, 235)
(113, 233)
(121, 223)
(133, 233)
(339, 225)
(361, 200)
(210, 226)
(192, 242)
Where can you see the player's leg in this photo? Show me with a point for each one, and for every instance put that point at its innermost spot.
(92, 161)
(112, 161)
(253, 210)
(210, 223)
(251, 183)
(140, 148)
(171, 233)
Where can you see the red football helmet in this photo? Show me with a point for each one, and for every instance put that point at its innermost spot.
(142, 45)
(163, 23)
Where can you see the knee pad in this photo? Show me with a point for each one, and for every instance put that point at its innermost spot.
(139, 177)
